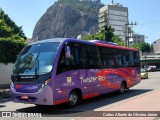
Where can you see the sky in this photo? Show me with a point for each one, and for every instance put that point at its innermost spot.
(26, 13)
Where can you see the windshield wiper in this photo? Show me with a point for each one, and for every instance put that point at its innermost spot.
(36, 66)
(22, 69)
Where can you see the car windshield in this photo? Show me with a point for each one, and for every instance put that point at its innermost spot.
(143, 70)
(36, 59)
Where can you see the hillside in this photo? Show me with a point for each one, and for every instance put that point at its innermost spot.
(68, 18)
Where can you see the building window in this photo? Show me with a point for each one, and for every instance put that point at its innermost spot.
(114, 12)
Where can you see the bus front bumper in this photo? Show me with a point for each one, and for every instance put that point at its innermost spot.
(43, 97)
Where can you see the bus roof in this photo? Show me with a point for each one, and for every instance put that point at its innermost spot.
(61, 40)
(91, 42)
(50, 40)
(116, 47)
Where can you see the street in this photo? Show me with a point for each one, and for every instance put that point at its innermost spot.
(87, 106)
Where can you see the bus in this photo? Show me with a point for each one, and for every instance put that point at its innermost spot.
(67, 70)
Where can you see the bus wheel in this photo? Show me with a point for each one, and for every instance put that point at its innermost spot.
(122, 89)
(73, 98)
(41, 106)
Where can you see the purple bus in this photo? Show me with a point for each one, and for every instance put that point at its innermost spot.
(55, 71)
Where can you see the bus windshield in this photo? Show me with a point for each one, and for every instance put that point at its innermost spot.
(36, 59)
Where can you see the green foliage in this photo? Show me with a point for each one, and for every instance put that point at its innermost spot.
(98, 36)
(151, 48)
(142, 46)
(10, 48)
(83, 5)
(106, 34)
(12, 39)
(118, 40)
(8, 27)
(5, 30)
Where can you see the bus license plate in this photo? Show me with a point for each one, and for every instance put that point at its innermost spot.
(24, 97)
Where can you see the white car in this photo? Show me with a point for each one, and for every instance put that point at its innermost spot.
(151, 69)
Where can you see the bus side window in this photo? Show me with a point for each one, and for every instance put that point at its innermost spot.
(69, 63)
(126, 58)
(131, 59)
(94, 60)
(73, 63)
(136, 58)
(84, 56)
(61, 63)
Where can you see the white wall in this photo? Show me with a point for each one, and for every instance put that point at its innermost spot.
(5, 73)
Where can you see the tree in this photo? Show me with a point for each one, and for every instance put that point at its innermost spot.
(142, 46)
(152, 49)
(12, 39)
(108, 32)
(10, 48)
(8, 27)
(118, 40)
(5, 30)
(145, 47)
(105, 34)
(98, 36)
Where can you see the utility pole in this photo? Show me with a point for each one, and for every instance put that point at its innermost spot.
(128, 32)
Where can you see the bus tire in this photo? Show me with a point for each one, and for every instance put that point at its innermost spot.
(73, 98)
(41, 106)
(123, 87)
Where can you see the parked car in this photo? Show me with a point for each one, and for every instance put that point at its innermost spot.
(158, 69)
(144, 73)
(151, 69)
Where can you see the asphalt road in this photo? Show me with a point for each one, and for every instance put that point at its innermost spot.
(62, 112)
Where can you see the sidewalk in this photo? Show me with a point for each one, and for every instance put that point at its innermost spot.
(147, 102)
(4, 93)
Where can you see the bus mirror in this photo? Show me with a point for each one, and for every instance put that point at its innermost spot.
(68, 52)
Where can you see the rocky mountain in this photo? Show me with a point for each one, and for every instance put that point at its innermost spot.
(68, 18)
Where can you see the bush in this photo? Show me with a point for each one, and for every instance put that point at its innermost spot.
(12, 39)
(9, 49)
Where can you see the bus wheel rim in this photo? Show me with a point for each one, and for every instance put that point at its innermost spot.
(122, 88)
(73, 99)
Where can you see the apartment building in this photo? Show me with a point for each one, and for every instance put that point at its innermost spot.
(116, 16)
(136, 38)
(156, 46)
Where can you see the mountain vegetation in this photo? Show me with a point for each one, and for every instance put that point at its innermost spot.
(89, 6)
(68, 19)
(12, 39)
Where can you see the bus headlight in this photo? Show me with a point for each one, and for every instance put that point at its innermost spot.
(45, 83)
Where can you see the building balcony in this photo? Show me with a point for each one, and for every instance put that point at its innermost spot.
(102, 14)
(102, 24)
(102, 20)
